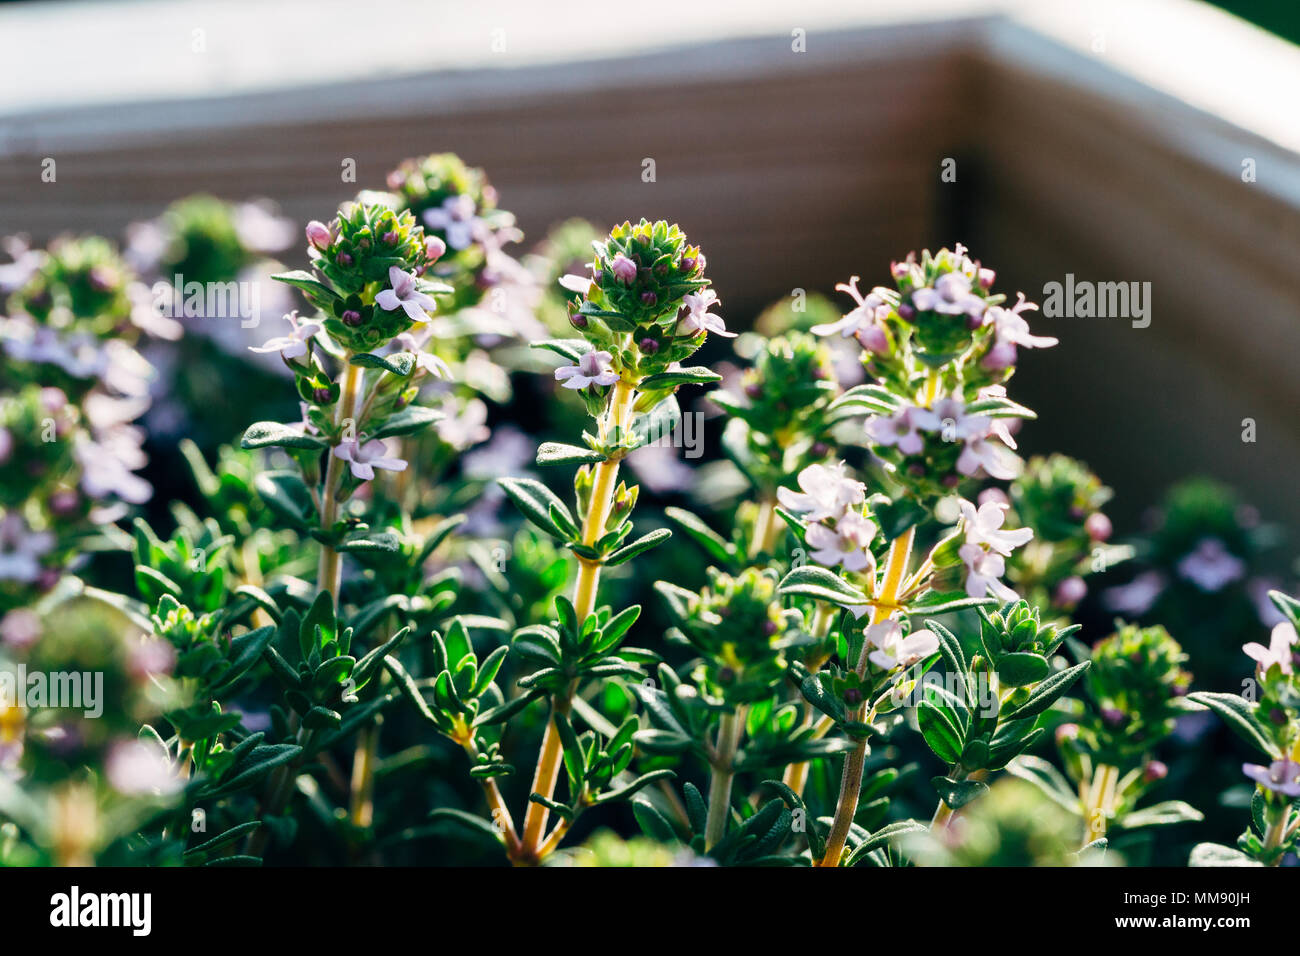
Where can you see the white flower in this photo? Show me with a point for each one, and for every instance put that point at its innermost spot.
(869, 309)
(295, 343)
(576, 283)
(457, 220)
(895, 650)
(1279, 651)
(827, 493)
(951, 295)
(902, 430)
(698, 317)
(984, 527)
(364, 459)
(404, 295)
(592, 368)
(1010, 327)
(848, 544)
(984, 570)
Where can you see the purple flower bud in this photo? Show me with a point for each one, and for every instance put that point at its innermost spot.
(986, 278)
(1001, 356)
(950, 481)
(318, 234)
(321, 396)
(899, 270)
(648, 346)
(649, 298)
(101, 279)
(390, 238)
(754, 390)
(434, 248)
(916, 469)
(688, 264)
(624, 269)
(343, 259)
(363, 243)
(906, 312)
(873, 339)
(351, 318)
(579, 320)
(49, 577)
(1113, 717)
(1098, 526)
(769, 628)
(819, 449)
(974, 320)
(1070, 592)
(1277, 716)
(64, 502)
(1153, 771)
(852, 696)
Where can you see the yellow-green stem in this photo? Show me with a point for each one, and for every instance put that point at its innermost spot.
(327, 577)
(584, 603)
(1100, 798)
(851, 779)
(729, 730)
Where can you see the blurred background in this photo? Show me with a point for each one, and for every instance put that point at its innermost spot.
(799, 144)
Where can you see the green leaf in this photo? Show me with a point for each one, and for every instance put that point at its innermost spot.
(1216, 854)
(438, 535)
(822, 584)
(1047, 693)
(717, 547)
(957, 793)
(277, 435)
(1023, 668)
(371, 542)
(652, 822)
(370, 662)
(557, 453)
(307, 283)
(399, 363)
(411, 419)
(698, 375)
(571, 349)
(470, 822)
(1161, 814)
(535, 500)
(940, 731)
(1047, 779)
(944, 602)
(204, 850)
(883, 837)
(1238, 714)
(641, 544)
(245, 651)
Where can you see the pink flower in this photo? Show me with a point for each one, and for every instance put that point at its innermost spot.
(319, 235)
(405, 295)
(576, 283)
(456, 217)
(425, 361)
(869, 309)
(951, 295)
(984, 528)
(997, 460)
(1279, 650)
(1136, 597)
(624, 269)
(294, 344)
(1281, 776)
(984, 570)
(698, 317)
(434, 248)
(902, 430)
(1010, 326)
(364, 459)
(895, 650)
(592, 368)
(1211, 567)
(827, 493)
(848, 544)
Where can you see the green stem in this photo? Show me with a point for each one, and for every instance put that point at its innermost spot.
(730, 729)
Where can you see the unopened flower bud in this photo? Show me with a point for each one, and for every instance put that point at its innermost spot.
(434, 248)
(1153, 771)
(853, 696)
(1113, 717)
(1067, 732)
(986, 277)
(873, 339)
(64, 502)
(390, 238)
(1001, 356)
(1098, 526)
(578, 320)
(648, 346)
(343, 259)
(1070, 591)
(624, 269)
(649, 298)
(819, 449)
(906, 312)
(688, 263)
(754, 390)
(351, 318)
(321, 395)
(318, 234)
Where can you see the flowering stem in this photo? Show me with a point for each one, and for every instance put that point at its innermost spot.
(327, 577)
(1277, 832)
(796, 774)
(1100, 797)
(584, 603)
(362, 805)
(765, 528)
(729, 731)
(900, 552)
